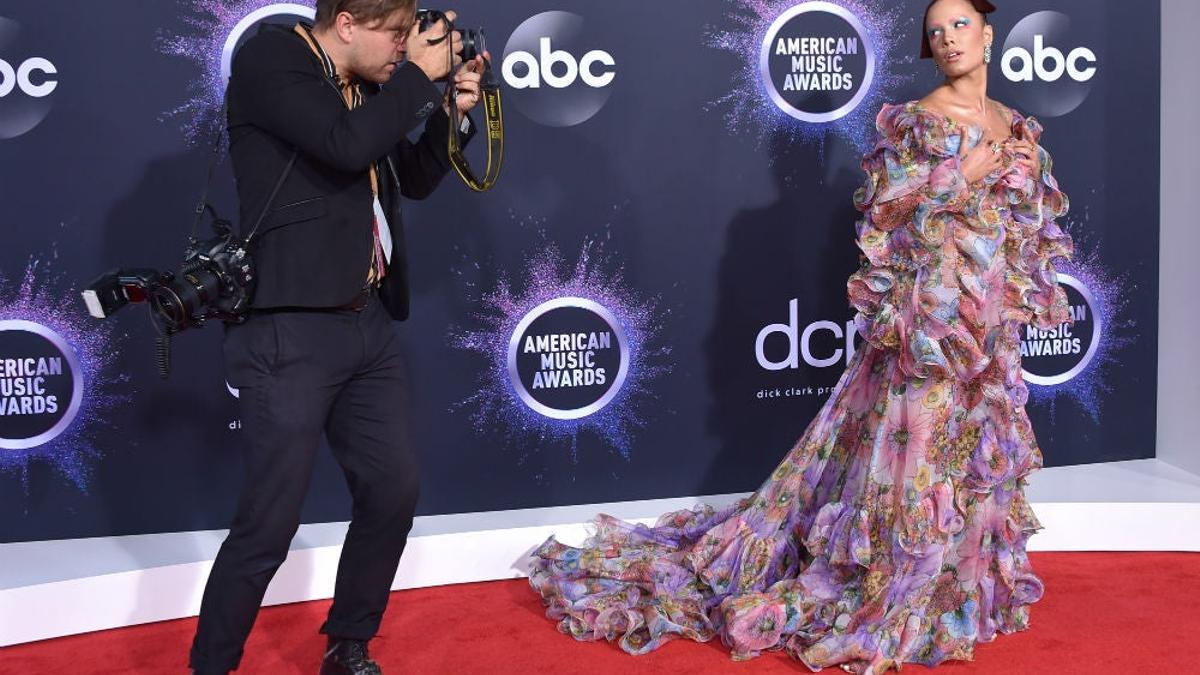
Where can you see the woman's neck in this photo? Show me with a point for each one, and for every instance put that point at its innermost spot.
(969, 91)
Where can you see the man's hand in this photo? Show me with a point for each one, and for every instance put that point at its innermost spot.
(467, 80)
(434, 59)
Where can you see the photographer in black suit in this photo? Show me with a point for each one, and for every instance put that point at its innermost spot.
(334, 102)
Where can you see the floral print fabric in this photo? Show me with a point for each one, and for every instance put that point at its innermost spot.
(895, 529)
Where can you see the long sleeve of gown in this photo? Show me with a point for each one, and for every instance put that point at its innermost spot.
(1032, 280)
(905, 292)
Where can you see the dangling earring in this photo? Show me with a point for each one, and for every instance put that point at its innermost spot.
(936, 69)
(987, 53)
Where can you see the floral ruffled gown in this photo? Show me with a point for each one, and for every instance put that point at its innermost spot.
(895, 529)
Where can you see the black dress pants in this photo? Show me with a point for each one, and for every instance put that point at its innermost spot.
(301, 374)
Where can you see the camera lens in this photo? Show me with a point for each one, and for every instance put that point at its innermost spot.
(177, 301)
(471, 41)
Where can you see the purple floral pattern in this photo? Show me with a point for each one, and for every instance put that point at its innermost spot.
(895, 529)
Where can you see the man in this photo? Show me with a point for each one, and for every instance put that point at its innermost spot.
(318, 353)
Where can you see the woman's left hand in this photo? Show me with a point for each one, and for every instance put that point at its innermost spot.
(1026, 154)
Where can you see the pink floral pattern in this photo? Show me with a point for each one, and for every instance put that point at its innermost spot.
(895, 530)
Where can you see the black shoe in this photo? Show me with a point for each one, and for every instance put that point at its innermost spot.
(348, 657)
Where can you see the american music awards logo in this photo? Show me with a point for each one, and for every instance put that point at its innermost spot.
(1072, 360)
(219, 28)
(41, 385)
(568, 358)
(568, 350)
(1058, 355)
(817, 62)
(56, 387)
(811, 68)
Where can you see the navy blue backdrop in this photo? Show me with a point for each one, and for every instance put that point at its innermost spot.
(713, 224)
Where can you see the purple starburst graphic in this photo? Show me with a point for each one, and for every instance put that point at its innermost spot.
(36, 300)
(497, 407)
(215, 25)
(1111, 293)
(748, 107)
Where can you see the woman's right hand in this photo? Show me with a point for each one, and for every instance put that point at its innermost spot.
(976, 163)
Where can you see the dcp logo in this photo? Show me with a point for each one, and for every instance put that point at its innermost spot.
(822, 344)
(559, 78)
(1054, 73)
(26, 81)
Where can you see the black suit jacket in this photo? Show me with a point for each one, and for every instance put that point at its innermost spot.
(314, 248)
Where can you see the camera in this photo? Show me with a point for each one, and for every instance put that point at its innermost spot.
(215, 281)
(473, 43)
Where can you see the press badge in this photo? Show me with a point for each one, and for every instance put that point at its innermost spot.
(385, 231)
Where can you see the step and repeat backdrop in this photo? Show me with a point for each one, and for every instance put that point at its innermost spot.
(650, 304)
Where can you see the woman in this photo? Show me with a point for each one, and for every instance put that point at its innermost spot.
(895, 529)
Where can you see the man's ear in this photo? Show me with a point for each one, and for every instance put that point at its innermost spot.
(344, 26)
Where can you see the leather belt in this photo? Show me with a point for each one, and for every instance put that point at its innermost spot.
(357, 304)
(360, 301)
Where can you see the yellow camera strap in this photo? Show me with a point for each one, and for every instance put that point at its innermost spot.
(493, 125)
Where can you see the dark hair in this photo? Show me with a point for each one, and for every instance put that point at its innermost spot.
(367, 11)
(982, 6)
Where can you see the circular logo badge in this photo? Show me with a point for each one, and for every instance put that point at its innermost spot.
(41, 385)
(559, 75)
(1050, 357)
(1052, 72)
(568, 358)
(817, 62)
(27, 80)
(281, 13)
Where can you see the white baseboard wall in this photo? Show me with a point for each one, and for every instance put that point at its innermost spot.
(90, 603)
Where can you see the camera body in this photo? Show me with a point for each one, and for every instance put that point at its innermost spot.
(215, 281)
(473, 43)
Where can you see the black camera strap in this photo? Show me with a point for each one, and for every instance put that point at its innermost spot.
(274, 193)
(215, 159)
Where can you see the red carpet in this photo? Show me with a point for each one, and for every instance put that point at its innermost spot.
(1103, 613)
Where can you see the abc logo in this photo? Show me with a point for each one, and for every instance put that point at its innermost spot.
(1052, 72)
(22, 77)
(26, 82)
(558, 77)
(1020, 66)
(584, 69)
